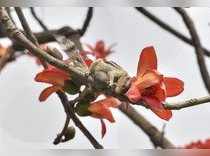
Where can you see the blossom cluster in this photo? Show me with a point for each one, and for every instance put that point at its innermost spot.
(148, 86)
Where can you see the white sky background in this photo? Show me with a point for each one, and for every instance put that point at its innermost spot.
(24, 122)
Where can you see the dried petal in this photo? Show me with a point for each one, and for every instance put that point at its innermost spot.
(103, 128)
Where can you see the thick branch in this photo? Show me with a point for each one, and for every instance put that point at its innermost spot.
(198, 47)
(19, 37)
(154, 134)
(187, 103)
(168, 28)
(25, 26)
(28, 31)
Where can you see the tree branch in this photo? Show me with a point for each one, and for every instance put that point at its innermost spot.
(58, 139)
(77, 122)
(168, 28)
(198, 47)
(19, 37)
(187, 103)
(25, 26)
(154, 134)
(87, 21)
(28, 31)
(41, 23)
(16, 34)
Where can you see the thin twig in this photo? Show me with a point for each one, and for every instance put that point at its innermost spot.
(198, 47)
(87, 21)
(41, 23)
(77, 122)
(19, 37)
(58, 139)
(25, 25)
(187, 103)
(28, 31)
(9, 13)
(169, 28)
(154, 134)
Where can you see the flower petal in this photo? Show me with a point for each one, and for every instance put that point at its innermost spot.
(100, 46)
(111, 102)
(133, 94)
(174, 86)
(3, 50)
(147, 60)
(84, 56)
(88, 62)
(150, 78)
(47, 92)
(163, 113)
(103, 128)
(55, 77)
(100, 109)
(160, 92)
(153, 102)
(157, 107)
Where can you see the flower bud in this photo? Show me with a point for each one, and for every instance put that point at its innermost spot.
(71, 88)
(69, 134)
(82, 109)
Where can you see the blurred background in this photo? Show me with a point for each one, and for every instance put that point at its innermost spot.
(25, 122)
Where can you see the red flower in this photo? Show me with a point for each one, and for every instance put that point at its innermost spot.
(84, 56)
(100, 50)
(199, 145)
(101, 110)
(151, 86)
(53, 76)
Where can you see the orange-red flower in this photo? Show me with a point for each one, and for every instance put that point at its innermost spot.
(199, 145)
(86, 59)
(53, 76)
(152, 87)
(100, 50)
(101, 110)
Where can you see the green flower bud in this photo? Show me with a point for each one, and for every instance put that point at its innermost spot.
(69, 134)
(71, 87)
(82, 108)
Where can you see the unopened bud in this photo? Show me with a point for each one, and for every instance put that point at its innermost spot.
(82, 109)
(69, 134)
(71, 88)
